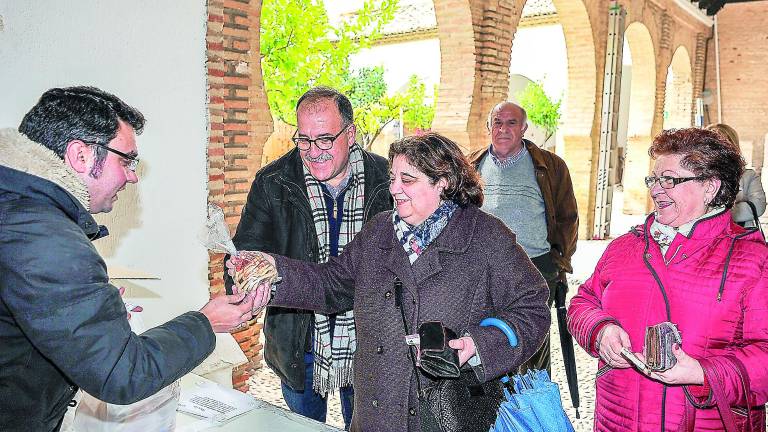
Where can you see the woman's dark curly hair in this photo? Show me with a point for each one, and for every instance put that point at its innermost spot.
(707, 154)
(440, 158)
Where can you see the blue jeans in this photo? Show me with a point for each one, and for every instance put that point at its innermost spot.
(311, 404)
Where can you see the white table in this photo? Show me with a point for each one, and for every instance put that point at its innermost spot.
(265, 418)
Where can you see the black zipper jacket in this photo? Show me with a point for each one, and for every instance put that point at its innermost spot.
(277, 219)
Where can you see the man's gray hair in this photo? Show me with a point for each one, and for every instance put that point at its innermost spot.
(500, 104)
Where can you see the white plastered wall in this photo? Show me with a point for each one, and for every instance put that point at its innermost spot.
(152, 55)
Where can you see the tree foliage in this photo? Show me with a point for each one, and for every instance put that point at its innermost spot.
(301, 49)
(542, 111)
(374, 109)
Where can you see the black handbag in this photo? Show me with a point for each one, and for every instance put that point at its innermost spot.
(436, 358)
(450, 404)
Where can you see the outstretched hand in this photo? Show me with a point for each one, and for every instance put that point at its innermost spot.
(229, 312)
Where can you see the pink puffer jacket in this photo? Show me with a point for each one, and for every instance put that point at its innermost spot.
(713, 286)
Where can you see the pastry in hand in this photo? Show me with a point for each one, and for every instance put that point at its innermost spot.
(251, 269)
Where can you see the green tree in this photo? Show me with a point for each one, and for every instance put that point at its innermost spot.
(366, 86)
(374, 109)
(301, 49)
(417, 114)
(542, 111)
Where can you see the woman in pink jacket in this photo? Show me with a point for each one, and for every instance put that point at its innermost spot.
(690, 265)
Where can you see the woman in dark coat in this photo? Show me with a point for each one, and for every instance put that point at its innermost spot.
(457, 265)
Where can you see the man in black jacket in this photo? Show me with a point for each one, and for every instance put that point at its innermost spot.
(307, 205)
(62, 324)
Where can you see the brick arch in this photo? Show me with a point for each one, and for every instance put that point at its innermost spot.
(459, 93)
(642, 98)
(580, 103)
(580, 106)
(678, 99)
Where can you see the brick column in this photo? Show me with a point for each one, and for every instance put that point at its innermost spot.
(239, 125)
(457, 78)
(475, 47)
(663, 61)
(585, 31)
(494, 23)
(699, 67)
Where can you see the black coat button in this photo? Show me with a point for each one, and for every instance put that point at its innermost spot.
(412, 411)
(294, 365)
(388, 294)
(375, 403)
(380, 349)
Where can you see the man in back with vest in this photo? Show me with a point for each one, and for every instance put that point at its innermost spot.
(530, 190)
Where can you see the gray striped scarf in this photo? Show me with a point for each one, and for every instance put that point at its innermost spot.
(333, 358)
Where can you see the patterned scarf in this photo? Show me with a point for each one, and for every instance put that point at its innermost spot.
(663, 235)
(333, 358)
(416, 239)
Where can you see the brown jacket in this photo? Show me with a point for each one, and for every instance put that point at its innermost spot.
(473, 270)
(559, 201)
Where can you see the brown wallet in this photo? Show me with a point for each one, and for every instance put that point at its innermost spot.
(659, 339)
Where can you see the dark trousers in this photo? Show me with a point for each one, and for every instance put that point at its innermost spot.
(551, 272)
(313, 405)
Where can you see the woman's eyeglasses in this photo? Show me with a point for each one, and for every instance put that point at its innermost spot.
(668, 182)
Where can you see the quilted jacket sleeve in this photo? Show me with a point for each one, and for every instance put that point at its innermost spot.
(753, 350)
(585, 314)
(56, 287)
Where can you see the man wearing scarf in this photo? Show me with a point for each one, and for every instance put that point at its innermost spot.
(308, 205)
(530, 190)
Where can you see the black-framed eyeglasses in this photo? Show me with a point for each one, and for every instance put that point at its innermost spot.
(323, 143)
(133, 161)
(668, 182)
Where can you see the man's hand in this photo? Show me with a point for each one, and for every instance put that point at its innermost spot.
(687, 370)
(466, 347)
(227, 312)
(610, 341)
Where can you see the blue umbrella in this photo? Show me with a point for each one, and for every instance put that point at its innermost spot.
(533, 400)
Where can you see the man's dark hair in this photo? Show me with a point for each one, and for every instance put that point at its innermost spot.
(342, 102)
(79, 113)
